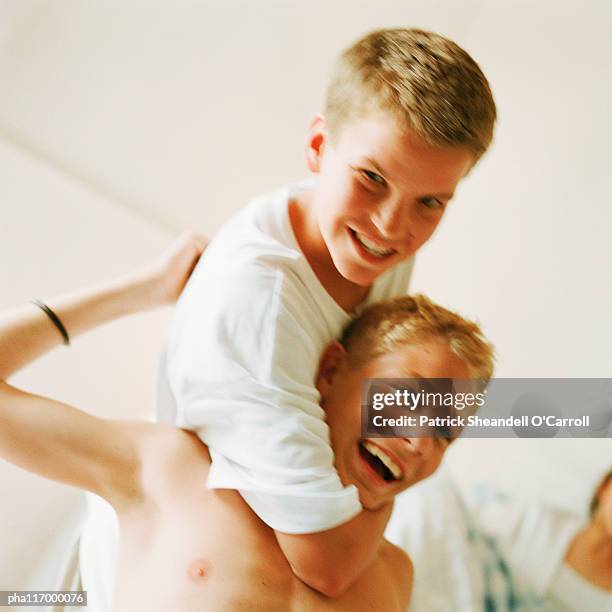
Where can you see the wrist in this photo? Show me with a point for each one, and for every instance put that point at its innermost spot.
(143, 290)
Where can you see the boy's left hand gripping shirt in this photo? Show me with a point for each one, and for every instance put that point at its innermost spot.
(241, 362)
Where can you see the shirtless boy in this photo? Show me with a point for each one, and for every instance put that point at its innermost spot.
(189, 548)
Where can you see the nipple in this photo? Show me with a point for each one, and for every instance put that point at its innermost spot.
(199, 570)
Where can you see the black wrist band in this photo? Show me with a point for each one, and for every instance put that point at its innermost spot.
(55, 319)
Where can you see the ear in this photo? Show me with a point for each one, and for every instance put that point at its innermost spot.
(330, 365)
(315, 143)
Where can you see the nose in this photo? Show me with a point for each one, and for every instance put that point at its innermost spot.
(425, 447)
(390, 218)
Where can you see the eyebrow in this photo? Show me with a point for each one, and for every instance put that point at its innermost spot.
(444, 196)
(375, 164)
(378, 168)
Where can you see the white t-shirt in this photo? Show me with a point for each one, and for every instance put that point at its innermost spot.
(534, 538)
(240, 364)
(570, 592)
(430, 523)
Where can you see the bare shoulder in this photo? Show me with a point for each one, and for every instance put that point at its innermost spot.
(163, 447)
(400, 569)
(161, 439)
(161, 454)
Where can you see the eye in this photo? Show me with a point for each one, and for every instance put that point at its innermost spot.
(373, 177)
(444, 434)
(432, 203)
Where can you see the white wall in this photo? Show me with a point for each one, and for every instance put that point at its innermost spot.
(57, 235)
(526, 247)
(183, 113)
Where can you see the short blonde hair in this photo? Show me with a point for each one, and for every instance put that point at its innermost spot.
(383, 327)
(431, 86)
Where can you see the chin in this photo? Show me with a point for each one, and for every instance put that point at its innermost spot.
(369, 502)
(360, 279)
(358, 276)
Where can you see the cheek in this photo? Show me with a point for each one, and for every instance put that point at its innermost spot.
(360, 205)
(342, 409)
(432, 465)
(604, 518)
(606, 511)
(424, 227)
(343, 194)
(343, 434)
(347, 420)
(350, 204)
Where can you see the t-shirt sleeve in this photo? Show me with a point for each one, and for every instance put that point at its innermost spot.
(241, 363)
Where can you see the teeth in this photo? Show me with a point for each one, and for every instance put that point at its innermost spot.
(372, 247)
(378, 452)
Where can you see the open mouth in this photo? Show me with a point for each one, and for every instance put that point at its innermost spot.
(380, 462)
(372, 248)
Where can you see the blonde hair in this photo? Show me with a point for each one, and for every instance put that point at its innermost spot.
(384, 326)
(432, 87)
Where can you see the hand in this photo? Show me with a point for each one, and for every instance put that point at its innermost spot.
(368, 499)
(172, 269)
(374, 503)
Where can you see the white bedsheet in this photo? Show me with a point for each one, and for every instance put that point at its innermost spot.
(428, 522)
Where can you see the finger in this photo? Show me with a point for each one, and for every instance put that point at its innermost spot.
(201, 242)
(189, 237)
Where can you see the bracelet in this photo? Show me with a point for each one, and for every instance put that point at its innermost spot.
(55, 319)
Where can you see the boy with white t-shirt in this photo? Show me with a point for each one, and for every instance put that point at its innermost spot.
(408, 113)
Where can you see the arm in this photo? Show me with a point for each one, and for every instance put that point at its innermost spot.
(330, 561)
(56, 440)
(59, 442)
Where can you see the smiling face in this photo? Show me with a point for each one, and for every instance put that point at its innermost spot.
(380, 195)
(409, 459)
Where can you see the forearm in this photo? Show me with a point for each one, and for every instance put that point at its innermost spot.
(357, 543)
(330, 561)
(26, 332)
(58, 441)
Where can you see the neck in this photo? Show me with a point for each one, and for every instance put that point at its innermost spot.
(346, 294)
